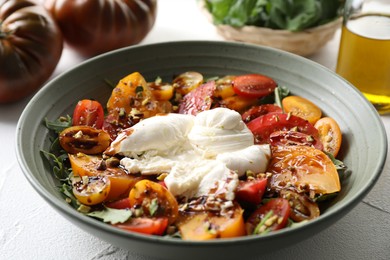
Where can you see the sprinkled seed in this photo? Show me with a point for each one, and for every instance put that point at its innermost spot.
(269, 222)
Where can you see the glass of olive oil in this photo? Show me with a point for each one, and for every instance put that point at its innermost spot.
(364, 54)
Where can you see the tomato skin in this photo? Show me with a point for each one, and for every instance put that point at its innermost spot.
(84, 139)
(149, 226)
(253, 85)
(115, 24)
(330, 134)
(251, 191)
(262, 127)
(88, 112)
(280, 208)
(260, 110)
(31, 47)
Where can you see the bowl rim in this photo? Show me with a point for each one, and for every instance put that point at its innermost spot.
(93, 223)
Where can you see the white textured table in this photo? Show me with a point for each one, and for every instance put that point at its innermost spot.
(31, 229)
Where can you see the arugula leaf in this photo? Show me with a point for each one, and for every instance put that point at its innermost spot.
(57, 163)
(113, 216)
(59, 124)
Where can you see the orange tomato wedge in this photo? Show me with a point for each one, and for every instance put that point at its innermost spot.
(304, 168)
(330, 135)
(299, 106)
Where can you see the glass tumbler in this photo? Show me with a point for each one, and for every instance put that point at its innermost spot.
(364, 54)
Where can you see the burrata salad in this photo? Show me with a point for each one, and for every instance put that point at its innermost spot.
(197, 158)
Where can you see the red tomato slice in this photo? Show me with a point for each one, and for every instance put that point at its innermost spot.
(253, 85)
(119, 204)
(198, 100)
(294, 138)
(251, 191)
(150, 226)
(88, 112)
(263, 126)
(269, 217)
(260, 110)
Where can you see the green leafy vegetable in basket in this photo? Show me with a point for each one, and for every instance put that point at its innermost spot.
(292, 15)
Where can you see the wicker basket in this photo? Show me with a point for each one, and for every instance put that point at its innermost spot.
(303, 43)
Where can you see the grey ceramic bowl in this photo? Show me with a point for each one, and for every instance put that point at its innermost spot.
(363, 151)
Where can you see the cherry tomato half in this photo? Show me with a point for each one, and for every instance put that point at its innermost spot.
(253, 85)
(154, 199)
(84, 139)
(263, 126)
(204, 225)
(187, 81)
(330, 135)
(299, 106)
(260, 110)
(269, 217)
(302, 208)
(91, 190)
(150, 226)
(88, 112)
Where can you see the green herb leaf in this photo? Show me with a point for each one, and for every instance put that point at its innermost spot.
(292, 15)
(57, 163)
(59, 124)
(262, 222)
(153, 207)
(113, 216)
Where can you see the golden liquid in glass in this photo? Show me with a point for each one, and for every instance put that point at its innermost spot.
(364, 58)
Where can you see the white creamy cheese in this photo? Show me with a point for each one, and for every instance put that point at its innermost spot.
(253, 158)
(202, 155)
(219, 130)
(161, 134)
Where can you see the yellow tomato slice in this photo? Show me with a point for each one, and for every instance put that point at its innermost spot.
(299, 106)
(187, 81)
(205, 225)
(330, 135)
(91, 190)
(154, 199)
(87, 165)
(224, 87)
(304, 168)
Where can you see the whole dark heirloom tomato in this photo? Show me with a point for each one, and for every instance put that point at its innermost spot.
(92, 27)
(30, 48)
